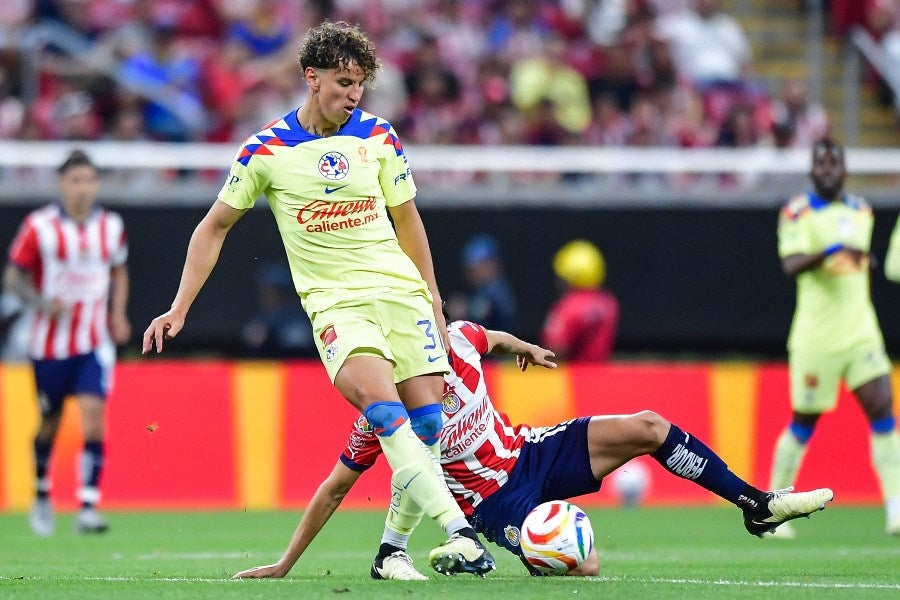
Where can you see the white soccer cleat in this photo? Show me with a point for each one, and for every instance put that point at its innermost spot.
(397, 565)
(41, 518)
(88, 520)
(460, 554)
(785, 505)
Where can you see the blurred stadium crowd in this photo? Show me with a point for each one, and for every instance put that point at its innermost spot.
(675, 73)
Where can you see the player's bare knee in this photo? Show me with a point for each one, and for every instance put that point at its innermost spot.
(652, 427)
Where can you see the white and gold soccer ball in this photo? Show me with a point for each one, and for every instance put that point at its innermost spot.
(556, 537)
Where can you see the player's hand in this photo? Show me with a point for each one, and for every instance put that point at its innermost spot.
(536, 356)
(164, 327)
(263, 572)
(856, 254)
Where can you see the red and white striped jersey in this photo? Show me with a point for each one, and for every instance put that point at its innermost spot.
(479, 446)
(70, 263)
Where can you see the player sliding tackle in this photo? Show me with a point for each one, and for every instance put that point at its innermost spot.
(498, 472)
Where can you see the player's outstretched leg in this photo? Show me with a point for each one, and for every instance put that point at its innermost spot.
(785, 505)
(462, 553)
(684, 455)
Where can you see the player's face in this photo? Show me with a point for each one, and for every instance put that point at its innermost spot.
(339, 91)
(828, 172)
(79, 186)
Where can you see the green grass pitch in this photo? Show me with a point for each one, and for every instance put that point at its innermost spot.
(646, 554)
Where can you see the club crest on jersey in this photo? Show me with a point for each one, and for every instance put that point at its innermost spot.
(334, 166)
(511, 534)
(450, 403)
(329, 339)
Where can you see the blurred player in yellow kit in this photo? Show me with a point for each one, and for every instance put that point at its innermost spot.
(824, 240)
(331, 173)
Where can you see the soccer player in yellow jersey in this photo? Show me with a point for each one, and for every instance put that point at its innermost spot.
(332, 173)
(824, 240)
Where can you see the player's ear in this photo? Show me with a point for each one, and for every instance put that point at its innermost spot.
(311, 75)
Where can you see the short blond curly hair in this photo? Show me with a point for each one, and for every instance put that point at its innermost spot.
(333, 45)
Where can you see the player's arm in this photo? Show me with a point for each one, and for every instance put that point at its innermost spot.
(323, 504)
(20, 282)
(119, 325)
(414, 242)
(501, 342)
(794, 264)
(202, 255)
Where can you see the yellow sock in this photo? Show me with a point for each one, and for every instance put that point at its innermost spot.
(415, 473)
(404, 514)
(886, 460)
(786, 460)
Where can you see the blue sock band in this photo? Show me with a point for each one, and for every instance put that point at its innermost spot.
(885, 425)
(687, 457)
(427, 421)
(385, 417)
(801, 432)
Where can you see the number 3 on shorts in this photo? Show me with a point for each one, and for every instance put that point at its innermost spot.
(427, 326)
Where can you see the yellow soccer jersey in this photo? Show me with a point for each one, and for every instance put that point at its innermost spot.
(834, 309)
(329, 197)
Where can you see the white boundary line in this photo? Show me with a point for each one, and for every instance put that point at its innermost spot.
(673, 581)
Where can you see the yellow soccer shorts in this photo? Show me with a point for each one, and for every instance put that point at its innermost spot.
(815, 378)
(398, 328)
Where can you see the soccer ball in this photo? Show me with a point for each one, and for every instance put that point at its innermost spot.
(630, 482)
(556, 537)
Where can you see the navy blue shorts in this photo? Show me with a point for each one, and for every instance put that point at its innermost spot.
(56, 379)
(554, 465)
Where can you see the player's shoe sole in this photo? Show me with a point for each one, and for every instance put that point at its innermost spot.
(460, 554)
(397, 565)
(784, 505)
(785, 531)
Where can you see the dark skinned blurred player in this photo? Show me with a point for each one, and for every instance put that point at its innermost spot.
(824, 239)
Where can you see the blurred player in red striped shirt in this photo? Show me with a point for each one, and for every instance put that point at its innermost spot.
(67, 262)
